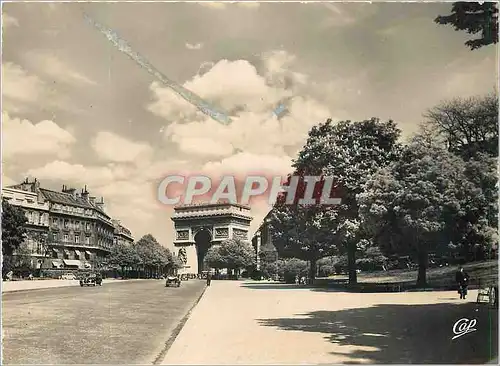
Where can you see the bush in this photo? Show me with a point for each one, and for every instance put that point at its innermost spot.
(288, 269)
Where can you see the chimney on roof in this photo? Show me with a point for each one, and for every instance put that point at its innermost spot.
(71, 191)
(92, 200)
(100, 204)
(85, 194)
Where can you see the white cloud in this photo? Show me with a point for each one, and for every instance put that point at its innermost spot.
(245, 163)
(197, 46)
(19, 87)
(9, 21)
(111, 147)
(22, 137)
(237, 86)
(55, 68)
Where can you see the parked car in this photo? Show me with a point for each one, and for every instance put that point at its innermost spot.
(173, 281)
(68, 276)
(91, 280)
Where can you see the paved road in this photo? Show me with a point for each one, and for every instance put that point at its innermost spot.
(122, 323)
(245, 323)
(9, 286)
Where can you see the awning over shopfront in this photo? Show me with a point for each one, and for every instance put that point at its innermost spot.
(87, 265)
(66, 251)
(78, 252)
(73, 263)
(57, 263)
(88, 253)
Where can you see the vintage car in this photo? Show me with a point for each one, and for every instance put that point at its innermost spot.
(91, 280)
(173, 281)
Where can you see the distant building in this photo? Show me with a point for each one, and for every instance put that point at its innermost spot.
(68, 229)
(262, 239)
(122, 235)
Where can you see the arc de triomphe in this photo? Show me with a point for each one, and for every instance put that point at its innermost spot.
(199, 226)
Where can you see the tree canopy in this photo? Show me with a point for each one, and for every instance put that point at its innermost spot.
(231, 254)
(468, 126)
(475, 18)
(13, 227)
(349, 152)
(416, 203)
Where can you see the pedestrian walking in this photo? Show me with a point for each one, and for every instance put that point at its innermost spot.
(209, 279)
(462, 279)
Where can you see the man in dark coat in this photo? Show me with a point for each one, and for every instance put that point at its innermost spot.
(462, 279)
(209, 279)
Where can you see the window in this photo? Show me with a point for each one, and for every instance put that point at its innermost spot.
(42, 219)
(66, 224)
(87, 240)
(39, 248)
(28, 215)
(88, 226)
(66, 239)
(77, 225)
(77, 238)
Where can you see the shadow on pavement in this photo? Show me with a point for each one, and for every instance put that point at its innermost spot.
(404, 333)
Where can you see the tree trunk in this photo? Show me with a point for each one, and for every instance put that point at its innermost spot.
(312, 270)
(423, 259)
(351, 263)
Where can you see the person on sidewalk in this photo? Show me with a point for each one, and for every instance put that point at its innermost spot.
(462, 279)
(209, 279)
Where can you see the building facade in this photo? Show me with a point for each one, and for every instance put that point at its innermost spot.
(262, 240)
(121, 235)
(68, 229)
(200, 226)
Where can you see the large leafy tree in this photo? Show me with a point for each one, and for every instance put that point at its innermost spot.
(414, 205)
(13, 228)
(349, 152)
(213, 258)
(232, 254)
(467, 126)
(124, 256)
(475, 18)
(153, 256)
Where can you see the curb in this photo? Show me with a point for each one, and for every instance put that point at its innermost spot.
(175, 332)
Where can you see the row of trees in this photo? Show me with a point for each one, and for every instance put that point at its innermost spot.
(406, 199)
(144, 258)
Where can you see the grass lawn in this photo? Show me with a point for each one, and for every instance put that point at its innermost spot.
(436, 277)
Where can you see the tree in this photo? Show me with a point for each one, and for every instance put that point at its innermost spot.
(372, 259)
(13, 228)
(21, 259)
(13, 233)
(467, 126)
(124, 256)
(350, 152)
(415, 204)
(290, 268)
(474, 18)
(154, 258)
(236, 254)
(213, 258)
(305, 233)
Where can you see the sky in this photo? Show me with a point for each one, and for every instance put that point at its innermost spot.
(76, 111)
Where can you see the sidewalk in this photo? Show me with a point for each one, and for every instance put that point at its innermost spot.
(249, 323)
(9, 286)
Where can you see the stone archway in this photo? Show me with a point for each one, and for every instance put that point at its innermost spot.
(203, 241)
